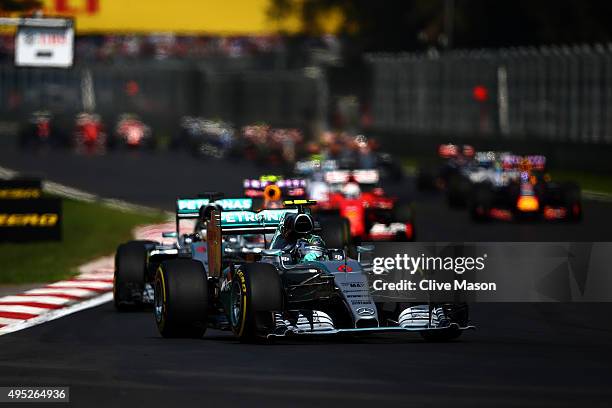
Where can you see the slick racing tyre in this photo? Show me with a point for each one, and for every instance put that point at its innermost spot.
(481, 202)
(425, 179)
(405, 215)
(130, 273)
(573, 202)
(181, 299)
(458, 191)
(335, 232)
(256, 293)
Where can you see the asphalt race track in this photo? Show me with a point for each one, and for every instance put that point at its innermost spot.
(522, 354)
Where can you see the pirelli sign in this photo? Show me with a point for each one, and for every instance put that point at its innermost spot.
(27, 216)
(20, 189)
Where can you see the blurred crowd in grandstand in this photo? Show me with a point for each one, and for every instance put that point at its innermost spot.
(160, 46)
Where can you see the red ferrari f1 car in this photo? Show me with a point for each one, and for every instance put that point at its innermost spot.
(372, 215)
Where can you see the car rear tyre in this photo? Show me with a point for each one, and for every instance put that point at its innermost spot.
(573, 202)
(181, 299)
(336, 232)
(480, 205)
(458, 191)
(405, 215)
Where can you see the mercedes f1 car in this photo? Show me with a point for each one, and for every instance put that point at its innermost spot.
(137, 261)
(296, 286)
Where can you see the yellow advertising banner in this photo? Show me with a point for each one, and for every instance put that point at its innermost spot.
(215, 17)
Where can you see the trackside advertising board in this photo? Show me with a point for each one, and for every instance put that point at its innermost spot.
(31, 220)
(20, 189)
(44, 47)
(25, 216)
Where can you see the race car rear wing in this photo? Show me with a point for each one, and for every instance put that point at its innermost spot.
(307, 167)
(360, 176)
(446, 151)
(449, 150)
(220, 223)
(490, 156)
(294, 187)
(249, 222)
(534, 162)
(189, 208)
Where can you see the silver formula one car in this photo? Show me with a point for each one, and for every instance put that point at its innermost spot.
(296, 286)
(137, 261)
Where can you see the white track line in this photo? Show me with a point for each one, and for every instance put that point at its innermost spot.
(80, 195)
(7, 173)
(597, 196)
(56, 314)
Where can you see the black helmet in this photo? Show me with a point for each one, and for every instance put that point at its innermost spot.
(297, 225)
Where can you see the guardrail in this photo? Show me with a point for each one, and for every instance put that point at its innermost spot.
(556, 94)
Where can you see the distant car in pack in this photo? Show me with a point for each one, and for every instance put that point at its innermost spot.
(39, 131)
(131, 132)
(451, 159)
(89, 135)
(362, 152)
(520, 189)
(137, 261)
(372, 215)
(273, 189)
(206, 138)
(460, 183)
(264, 144)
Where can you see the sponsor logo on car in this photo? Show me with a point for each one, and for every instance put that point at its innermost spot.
(365, 311)
(188, 205)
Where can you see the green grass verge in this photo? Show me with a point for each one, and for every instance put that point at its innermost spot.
(90, 230)
(601, 183)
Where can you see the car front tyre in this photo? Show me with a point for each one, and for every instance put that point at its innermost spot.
(181, 299)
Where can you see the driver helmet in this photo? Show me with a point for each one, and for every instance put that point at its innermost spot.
(311, 249)
(351, 190)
